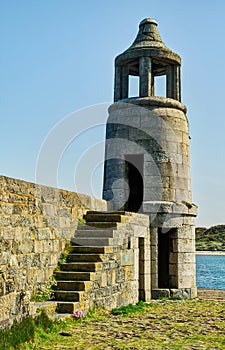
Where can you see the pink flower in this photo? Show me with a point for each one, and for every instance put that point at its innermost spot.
(78, 313)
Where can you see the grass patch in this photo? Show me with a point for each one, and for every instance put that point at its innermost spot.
(21, 332)
(125, 310)
(97, 313)
(44, 322)
(63, 256)
(81, 223)
(24, 331)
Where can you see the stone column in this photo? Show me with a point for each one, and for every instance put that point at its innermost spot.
(145, 72)
(154, 257)
(121, 83)
(117, 86)
(125, 82)
(144, 268)
(169, 82)
(177, 83)
(185, 248)
(173, 88)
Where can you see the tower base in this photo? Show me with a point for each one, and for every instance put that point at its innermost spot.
(172, 236)
(183, 293)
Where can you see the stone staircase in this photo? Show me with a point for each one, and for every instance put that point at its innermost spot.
(76, 277)
(102, 229)
(91, 267)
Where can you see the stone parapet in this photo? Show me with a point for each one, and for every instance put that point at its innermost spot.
(35, 223)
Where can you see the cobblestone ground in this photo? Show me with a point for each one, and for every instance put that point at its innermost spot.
(193, 324)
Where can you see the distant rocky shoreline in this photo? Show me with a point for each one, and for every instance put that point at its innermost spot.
(211, 239)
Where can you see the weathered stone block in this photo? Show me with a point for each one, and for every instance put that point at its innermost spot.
(168, 194)
(43, 233)
(175, 158)
(47, 209)
(183, 195)
(173, 269)
(189, 220)
(47, 246)
(16, 186)
(33, 207)
(157, 181)
(187, 269)
(187, 281)
(183, 245)
(183, 231)
(181, 293)
(38, 246)
(8, 233)
(154, 280)
(27, 247)
(185, 138)
(48, 195)
(160, 293)
(164, 221)
(183, 171)
(152, 193)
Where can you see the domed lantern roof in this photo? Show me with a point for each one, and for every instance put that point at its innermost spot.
(148, 42)
(147, 58)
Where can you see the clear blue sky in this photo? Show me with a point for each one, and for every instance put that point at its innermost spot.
(57, 57)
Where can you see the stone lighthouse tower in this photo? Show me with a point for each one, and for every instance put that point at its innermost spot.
(147, 162)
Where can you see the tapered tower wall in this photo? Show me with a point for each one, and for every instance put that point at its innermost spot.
(156, 128)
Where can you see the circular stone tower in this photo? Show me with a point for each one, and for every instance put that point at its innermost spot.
(147, 162)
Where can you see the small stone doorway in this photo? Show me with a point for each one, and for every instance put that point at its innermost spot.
(163, 259)
(134, 165)
(166, 267)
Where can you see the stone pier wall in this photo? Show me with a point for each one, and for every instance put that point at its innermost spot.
(35, 224)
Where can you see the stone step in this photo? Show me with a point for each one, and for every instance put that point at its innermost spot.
(48, 306)
(104, 217)
(93, 249)
(65, 295)
(92, 242)
(94, 225)
(74, 285)
(73, 276)
(126, 216)
(66, 307)
(84, 257)
(94, 233)
(81, 266)
(118, 212)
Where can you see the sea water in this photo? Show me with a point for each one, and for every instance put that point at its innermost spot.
(210, 271)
